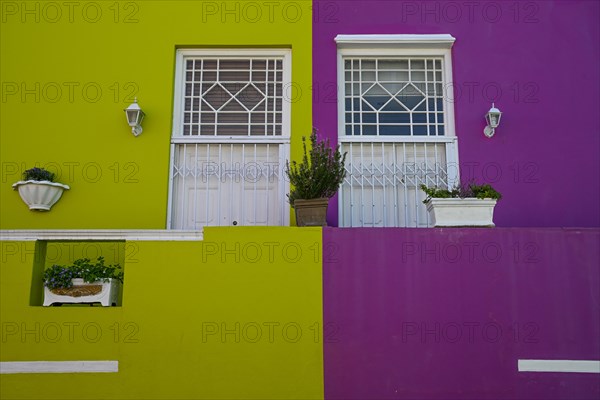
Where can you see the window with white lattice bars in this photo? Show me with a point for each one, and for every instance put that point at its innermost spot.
(396, 121)
(230, 138)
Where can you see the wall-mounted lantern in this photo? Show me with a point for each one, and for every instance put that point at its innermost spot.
(493, 120)
(135, 115)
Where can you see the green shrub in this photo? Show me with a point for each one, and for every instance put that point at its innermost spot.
(59, 276)
(470, 190)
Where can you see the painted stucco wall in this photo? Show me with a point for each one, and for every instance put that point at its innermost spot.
(238, 315)
(537, 60)
(69, 69)
(383, 313)
(448, 313)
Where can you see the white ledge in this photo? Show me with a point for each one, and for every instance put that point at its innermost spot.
(572, 366)
(102, 234)
(391, 139)
(57, 367)
(438, 40)
(228, 139)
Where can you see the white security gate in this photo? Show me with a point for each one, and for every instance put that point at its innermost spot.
(383, 178)
(220, 184)
(230, 139)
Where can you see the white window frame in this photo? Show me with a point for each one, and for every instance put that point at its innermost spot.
(177, 127)
(435, 45)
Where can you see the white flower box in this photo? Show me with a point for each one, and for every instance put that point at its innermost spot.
(107, 293)
(461, 212)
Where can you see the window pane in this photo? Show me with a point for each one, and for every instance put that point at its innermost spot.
(395, 118)
(394, 130)
(419, 130)
(369, 118)
(419, 118)
(369, 130)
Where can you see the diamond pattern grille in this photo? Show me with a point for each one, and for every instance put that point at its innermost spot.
(233, 97)
(394, 96)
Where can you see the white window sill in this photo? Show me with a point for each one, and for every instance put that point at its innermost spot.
(102, 234)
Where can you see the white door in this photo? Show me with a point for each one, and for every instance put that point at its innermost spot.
(230, 139)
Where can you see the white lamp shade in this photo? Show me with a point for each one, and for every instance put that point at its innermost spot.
(134, 113)
(493, 117)
(135, 116)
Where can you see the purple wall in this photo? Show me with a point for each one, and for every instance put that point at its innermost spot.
(446, 313)
(538, 61)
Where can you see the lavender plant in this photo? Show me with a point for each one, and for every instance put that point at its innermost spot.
(320, 173)
(38, 174)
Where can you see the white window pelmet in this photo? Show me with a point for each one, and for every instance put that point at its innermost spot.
(396, 122)
(230, 138)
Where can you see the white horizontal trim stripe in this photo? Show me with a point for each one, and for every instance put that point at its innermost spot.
(102, 234)
(264, 139)
(583, 366)
(57, 367)
(441, 40)
(238, 53)
(396, 139)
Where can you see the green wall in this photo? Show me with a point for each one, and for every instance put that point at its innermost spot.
(67, 73)
(262, 285)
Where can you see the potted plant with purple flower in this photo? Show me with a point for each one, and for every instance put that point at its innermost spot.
(315, 180)
(38, 189)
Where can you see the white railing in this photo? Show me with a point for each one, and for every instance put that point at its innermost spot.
(227, 184)
(382, 184)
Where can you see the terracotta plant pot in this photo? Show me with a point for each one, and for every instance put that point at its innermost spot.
(311, 212)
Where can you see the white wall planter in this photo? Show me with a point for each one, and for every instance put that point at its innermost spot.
(40, 195)
(461, 212)
(105, 293)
